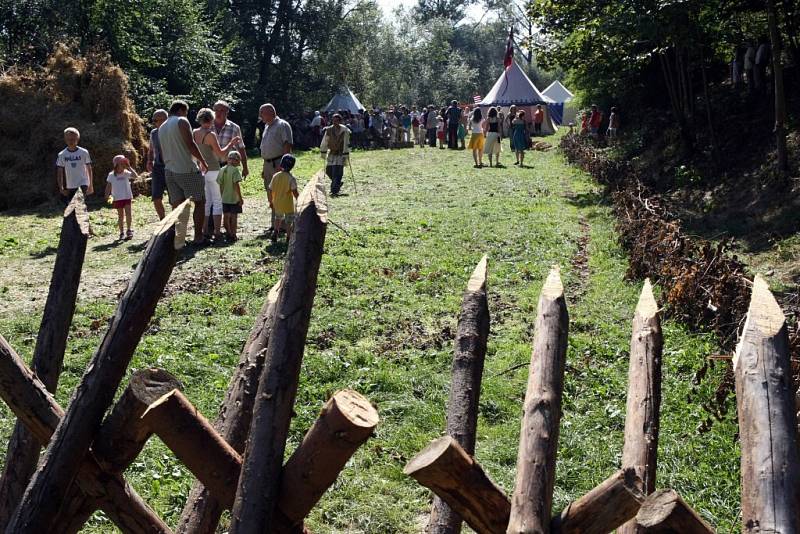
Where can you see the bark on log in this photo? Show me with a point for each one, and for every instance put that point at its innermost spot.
(465, 385)
(94, 394)
(346, 421)
(203, 510)
(259, 482)
(23, 450)
(664, 512)
(767, 422)
(644, 397)
(445, 468)
(616, 500)
(35, 407)
(532, 500)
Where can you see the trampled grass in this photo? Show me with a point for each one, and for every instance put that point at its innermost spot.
(396, 263)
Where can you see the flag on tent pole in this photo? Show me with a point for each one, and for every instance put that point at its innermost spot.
(508, 59)
(477, 99)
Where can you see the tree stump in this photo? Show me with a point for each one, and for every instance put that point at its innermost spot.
(664, 512)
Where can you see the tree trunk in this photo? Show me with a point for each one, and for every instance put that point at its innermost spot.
(346, 421)
(644, 397)
(465, 385)
(532, 501)
(259, 482)
(23, 450)
(767, 421)
(38, 411)
(445, 468)
(94, 394)
(780, 96)
(604, 508)
(203, 510)
(664, 512)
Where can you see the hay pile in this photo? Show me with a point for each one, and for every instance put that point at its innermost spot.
(89, 93)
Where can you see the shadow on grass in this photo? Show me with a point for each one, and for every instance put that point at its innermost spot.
(52, 208)
(588, 199)
(111, 245)
(47, 251)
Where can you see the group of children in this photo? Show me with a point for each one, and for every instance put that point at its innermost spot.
(74, 172)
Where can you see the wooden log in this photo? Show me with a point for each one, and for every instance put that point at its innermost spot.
(203, 510)
(71, 441)
(664, 512)
(640, 451)
(445, 468)
(532, 500)
(259, 482)
(35, 407)
(465, 385)
(770, 469)
(607, 506)
(22, 453)
(346, 421)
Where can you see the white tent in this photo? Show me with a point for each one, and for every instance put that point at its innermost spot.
(344, 100)
(558, 93)
(513, 87)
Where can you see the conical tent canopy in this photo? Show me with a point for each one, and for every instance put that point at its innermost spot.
(344, 100)
(513, 87)
(558, 92)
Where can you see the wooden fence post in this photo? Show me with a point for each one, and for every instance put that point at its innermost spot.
(259, 482)
(644, 397)
(664, 512)
(465, 385)
(94, 394)
(445, 468)
(202, 511)
(532, 501)
(767, 420)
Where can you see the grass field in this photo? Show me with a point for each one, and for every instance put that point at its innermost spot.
(396, 263)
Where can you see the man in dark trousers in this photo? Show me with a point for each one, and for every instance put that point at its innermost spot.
(453, 119)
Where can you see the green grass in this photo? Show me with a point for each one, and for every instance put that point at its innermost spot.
(396, 263)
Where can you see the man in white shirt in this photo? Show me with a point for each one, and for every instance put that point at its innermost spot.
(74, 167)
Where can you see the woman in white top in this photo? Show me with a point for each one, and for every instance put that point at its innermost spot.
(476, 138)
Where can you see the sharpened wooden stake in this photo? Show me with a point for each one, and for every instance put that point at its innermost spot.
(532, 501)
(259, 482)
(465, 385)
(445, 468)
(23, 450)
(644, 397)
(616, 500)
(95, 393)
(767, 421)
(664, 512)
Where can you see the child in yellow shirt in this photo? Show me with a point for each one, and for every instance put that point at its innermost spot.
(282, 194)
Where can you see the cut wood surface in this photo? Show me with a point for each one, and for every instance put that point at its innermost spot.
(92, 397)
(259, 482)
(23, 449)
(610, 504)
(346, 421)
(202, 511)
(664, 512)
(35, 407)
(445, 468)
(532, 501)
(767, 420)
(644, 397)
(465, 384)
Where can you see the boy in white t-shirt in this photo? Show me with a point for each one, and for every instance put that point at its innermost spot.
(74, 167)
(118, 189)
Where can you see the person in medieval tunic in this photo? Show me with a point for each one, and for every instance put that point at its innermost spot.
(335, 147)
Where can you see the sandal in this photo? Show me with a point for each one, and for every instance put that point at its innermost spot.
(129, 235)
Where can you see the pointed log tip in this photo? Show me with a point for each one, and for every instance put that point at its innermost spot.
(764, 316)
(179, 218)
(477, 281)
(429, 454)
(78, 206)
(647, 307)
(657, 507)
(314, 193)
(553, 288)
(166, 397)
(275, 291)
(150, 384)
(356, 408)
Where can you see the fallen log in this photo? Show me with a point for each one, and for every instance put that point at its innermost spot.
(640, 451)
(767, 421)
(664, 512)
(259, 482)
(532, 501)
(445, 468)
(35, 407)
(616, 500)
(23, 449)
(465, 385)
(71, 441)
(203, 510)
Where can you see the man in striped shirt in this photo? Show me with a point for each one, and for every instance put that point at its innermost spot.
(227, 130)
